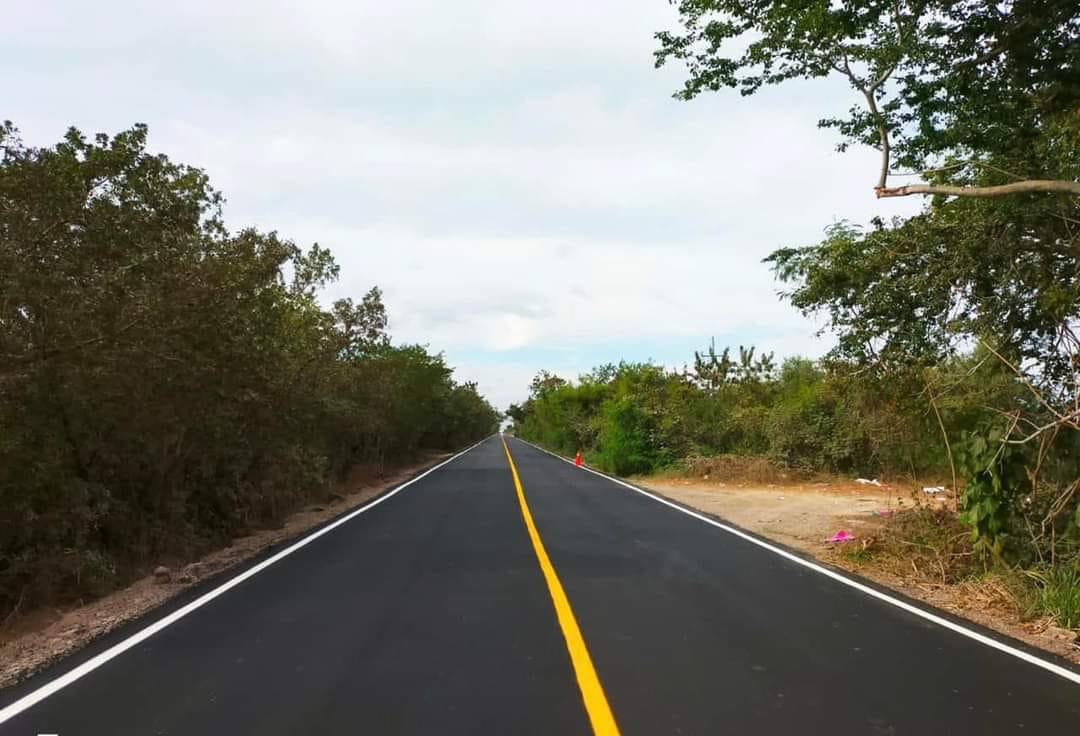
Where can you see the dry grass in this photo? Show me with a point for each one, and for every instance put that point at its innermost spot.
(930, 544)
(930, 551)
(737, 469)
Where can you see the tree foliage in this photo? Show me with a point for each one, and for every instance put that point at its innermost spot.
(965, 87)
(1003, 279)
(983, 99)
(639, 418)
(165, 383)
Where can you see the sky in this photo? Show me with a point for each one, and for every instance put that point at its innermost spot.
(514, 175)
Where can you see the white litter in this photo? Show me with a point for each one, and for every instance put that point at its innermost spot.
(865, 482)
(933, 489)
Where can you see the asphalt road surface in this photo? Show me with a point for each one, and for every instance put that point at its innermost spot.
(468, 603)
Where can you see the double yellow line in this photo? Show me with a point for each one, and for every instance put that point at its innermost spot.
(596, 704)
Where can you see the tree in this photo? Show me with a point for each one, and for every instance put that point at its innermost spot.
(965, 91)
(544, 383)
(982, 98)
(362, 327)
(912, 294)
(909, 299)
(517, 413)
(713, 370)
(165, 383)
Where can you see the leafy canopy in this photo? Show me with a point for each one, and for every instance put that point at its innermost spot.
(166, 384)
(941, 80)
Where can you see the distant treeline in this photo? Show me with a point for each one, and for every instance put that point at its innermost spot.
(166, 384)
(804, 416)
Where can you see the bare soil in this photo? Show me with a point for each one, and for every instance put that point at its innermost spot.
(45, 636)
(804, 515)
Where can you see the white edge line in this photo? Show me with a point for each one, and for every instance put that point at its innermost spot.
(921, 613)
(142, 635)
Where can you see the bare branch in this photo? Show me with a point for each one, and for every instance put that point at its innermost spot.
(1016, 371)
(944, 434)
(883, 136)
(869, 92)
(1019, 187)
(1069, 419)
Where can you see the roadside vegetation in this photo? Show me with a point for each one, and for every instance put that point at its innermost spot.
(957, 357)
(167, 384)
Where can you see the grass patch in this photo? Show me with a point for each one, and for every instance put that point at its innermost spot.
(859, 554)
(1055, 592)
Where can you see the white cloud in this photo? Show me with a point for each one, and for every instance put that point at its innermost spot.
(515, 176)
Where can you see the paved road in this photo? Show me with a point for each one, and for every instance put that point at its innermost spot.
(430, 613)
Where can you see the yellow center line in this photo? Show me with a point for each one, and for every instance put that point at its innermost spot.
(596, 704)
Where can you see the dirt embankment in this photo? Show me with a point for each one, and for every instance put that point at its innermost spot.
(804, 515)
(36, 640)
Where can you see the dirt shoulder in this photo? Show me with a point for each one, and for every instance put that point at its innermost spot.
(803, 516)
(49, 635)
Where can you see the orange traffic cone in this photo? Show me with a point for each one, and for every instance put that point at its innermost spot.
(577, 459)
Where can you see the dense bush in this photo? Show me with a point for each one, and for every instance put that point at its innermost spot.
(638, 418)
(166, 384)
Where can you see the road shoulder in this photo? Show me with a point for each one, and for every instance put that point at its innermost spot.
(55, 635)
(802, 519)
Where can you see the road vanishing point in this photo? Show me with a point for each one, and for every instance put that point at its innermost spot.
(505, 591)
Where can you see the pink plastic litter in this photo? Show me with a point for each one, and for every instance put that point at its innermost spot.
(841, 536)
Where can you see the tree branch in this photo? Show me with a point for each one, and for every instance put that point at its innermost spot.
(944, 435)
(883, 136)
(871, 103)
(46, 353)
(1069, 419)
(1018, 187)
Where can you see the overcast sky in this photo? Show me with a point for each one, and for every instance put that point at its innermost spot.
(514, 175)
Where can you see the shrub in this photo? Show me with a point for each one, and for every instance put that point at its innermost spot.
(164, 383)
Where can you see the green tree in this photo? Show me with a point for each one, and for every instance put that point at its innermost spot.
(165, 383)
(910, 298)
(981, 98)
(964, 87)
